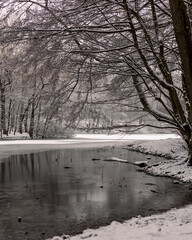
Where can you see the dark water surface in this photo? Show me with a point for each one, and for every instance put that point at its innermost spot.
(64, 191)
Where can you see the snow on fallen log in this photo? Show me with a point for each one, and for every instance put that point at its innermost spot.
(114, 159)
(141, 163)
(138, 163)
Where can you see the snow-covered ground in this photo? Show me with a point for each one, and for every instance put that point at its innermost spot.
(126, 136)
(175, 224)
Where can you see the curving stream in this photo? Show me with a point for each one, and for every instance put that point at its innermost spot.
(65, 191)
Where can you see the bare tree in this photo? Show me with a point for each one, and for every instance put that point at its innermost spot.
(148, 42)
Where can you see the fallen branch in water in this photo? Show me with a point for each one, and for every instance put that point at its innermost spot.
(138, 163)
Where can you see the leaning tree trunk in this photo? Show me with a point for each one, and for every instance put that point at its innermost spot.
(182, 28)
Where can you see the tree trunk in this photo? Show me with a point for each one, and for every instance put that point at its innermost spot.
(182, 28)
(183, 36)
(32, 120)
(12, 119)
(16, 119)
(26, 120)
(189, 148)
(21, 117)
(3, 116)
(38, 120)
(9, 116)
(45, 127)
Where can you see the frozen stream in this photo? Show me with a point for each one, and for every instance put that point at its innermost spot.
(65, 191)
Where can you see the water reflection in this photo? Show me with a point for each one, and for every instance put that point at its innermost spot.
(66, 191)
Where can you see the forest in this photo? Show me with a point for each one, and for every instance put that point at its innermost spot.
(113, 65)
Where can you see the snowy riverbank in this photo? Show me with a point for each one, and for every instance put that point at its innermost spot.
(175, 224)
(174, 150)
